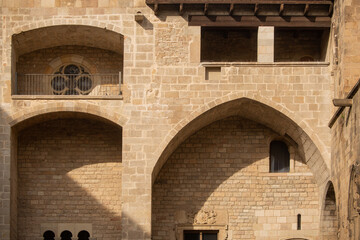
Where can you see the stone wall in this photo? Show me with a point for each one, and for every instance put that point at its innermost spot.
(345, 154)
(69, 172)
(165, 89)
(225, 166)
(345, 138)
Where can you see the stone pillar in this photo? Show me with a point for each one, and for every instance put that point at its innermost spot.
(195, 44)
(136, 189)
(265, 44)
(4, 180)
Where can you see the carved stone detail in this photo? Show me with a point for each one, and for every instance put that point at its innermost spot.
(356, 188)
(205, 216)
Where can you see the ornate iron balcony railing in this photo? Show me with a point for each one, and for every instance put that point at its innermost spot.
(68, 84)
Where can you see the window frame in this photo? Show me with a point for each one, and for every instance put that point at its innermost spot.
(201, 232)
(220, 229)
(276, 168)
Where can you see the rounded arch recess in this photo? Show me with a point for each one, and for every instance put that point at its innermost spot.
(24, 118)
(92, 33)
(254, 110)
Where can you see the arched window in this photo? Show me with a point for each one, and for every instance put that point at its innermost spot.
(83, 235)
(71, 79)
(279, 157)
(49, 235)
(66, 235)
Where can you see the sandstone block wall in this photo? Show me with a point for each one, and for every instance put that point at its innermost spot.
(69, 172)
(345, 154)
(165, 89)
(225, 166)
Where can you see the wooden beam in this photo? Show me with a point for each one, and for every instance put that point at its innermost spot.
(206, 6)
(342, 102)
(315, 2)
(156, 9)
(331, 8)
(256, 9)
(255, 21)
(306, 10)
(231, 10)
(281, 10)
(338, 112)
(181, 9)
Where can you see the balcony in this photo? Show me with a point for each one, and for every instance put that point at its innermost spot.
(67, 62)
(68, 86)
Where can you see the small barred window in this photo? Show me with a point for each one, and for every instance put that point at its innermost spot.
(200, 235)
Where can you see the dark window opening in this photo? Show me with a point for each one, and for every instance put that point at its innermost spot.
(200, 235)
(300, 45)
(228, 44)
(83, 235)
(49, 235)
(66, 235)
(279, 157)
(299, 222)
(191, 236)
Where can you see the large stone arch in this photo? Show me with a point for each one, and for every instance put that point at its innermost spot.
(78, 147)
(65, 21)
(23, 115)
(279, 118)
(74, 34)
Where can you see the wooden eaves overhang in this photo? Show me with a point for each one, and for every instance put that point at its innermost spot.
(249, 13)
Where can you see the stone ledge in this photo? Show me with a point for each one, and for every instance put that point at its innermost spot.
(61, 97)
(262, 64)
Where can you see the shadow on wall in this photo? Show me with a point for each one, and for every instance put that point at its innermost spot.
(260, 113)
(69, 169)
(225, 166)
(329, 223)
(5, 181)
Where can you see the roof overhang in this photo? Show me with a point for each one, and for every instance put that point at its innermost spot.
(285, 13)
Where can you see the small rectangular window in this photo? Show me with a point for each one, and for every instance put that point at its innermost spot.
(200, 235)
(209, 236)
(191, 236)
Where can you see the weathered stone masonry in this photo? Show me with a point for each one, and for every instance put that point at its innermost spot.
(177, 143)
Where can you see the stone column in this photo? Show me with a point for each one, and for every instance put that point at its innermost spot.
(136, 189)
(265, 44)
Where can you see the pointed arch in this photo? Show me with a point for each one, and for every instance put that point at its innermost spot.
(259, 110)
(329, 218)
